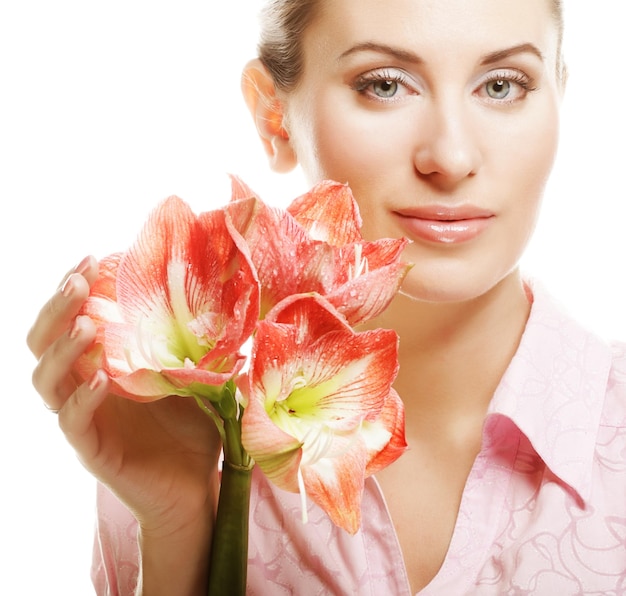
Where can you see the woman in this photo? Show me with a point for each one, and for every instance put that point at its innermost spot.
(443, 118)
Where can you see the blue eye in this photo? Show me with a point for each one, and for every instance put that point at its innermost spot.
(498, 88)
(505, 87)
(385, 89)
(383, 85)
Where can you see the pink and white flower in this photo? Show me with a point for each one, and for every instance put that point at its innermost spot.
(316, 246)
(174, 310)
(321, 414)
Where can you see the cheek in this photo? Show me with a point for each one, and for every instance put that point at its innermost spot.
(346, 145)
(367, 154)
(532, 163)
(524, 171)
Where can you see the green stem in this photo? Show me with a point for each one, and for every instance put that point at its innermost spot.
(212, 415)
(229, 550)
(233, 449)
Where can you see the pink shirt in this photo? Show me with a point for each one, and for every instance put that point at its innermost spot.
(543, 510)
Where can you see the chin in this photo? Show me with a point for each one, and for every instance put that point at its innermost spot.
(436, 295)
(448, 287)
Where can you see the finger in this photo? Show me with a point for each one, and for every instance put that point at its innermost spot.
(57, 314)
(52, 377)
(88, 268)
(76, 417)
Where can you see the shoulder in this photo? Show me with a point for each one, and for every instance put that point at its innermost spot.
(582, 366)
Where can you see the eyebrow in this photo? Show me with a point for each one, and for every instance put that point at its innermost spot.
(412, 58)
(522, 48)
(381, 48)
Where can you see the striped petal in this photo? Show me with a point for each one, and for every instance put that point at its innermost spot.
(286, 260)
(329, 213)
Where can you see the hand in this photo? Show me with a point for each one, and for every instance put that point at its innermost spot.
(160, 459)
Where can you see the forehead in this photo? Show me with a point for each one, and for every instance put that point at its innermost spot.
(441, 27)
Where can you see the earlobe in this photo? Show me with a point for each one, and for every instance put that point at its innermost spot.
(266, 108)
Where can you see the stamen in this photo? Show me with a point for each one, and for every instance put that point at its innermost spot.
(361, 265)
(316, 443)
(305, 513)
(146, 348)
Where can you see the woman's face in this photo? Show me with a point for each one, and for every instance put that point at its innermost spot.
(442, 115)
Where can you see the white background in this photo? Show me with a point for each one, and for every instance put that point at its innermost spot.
(108, 107)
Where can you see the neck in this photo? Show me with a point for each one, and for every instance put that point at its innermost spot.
(453, 355)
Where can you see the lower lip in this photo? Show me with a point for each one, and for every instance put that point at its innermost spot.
(445, 232)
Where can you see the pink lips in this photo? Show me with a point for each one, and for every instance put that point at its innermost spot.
(445, 225)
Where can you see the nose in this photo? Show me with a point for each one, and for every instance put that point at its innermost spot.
(447, 145)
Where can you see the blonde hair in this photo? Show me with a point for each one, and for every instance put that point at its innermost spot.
(283, 23)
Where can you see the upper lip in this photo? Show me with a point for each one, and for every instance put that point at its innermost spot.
(446, 212)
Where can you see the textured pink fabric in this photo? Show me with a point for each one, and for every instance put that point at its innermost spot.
(543, 511)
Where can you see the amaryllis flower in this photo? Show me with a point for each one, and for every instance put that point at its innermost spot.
(316, 410)
(320, 413)
(316, 246)
(174, 310)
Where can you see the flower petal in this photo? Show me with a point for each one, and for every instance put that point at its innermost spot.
(274, 451)
(391, 419)
(240, 190)
(336, 485)
(367, 277)
(329, 213)
(364, 298)
(311, 313)
(239, 285)
(285, 258)
(143, 385)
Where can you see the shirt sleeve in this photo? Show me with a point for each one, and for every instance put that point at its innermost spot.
(115, 563)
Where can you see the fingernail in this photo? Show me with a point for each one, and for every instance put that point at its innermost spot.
(82, 266)
(68, 287)
(96, 380)
(75, 329)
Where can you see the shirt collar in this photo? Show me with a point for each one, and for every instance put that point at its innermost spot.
(554, 390)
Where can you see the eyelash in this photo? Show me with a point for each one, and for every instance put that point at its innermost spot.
(365, 81)
(517, 78)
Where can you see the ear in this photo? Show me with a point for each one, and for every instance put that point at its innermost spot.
(563, 78)
(266, 108)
